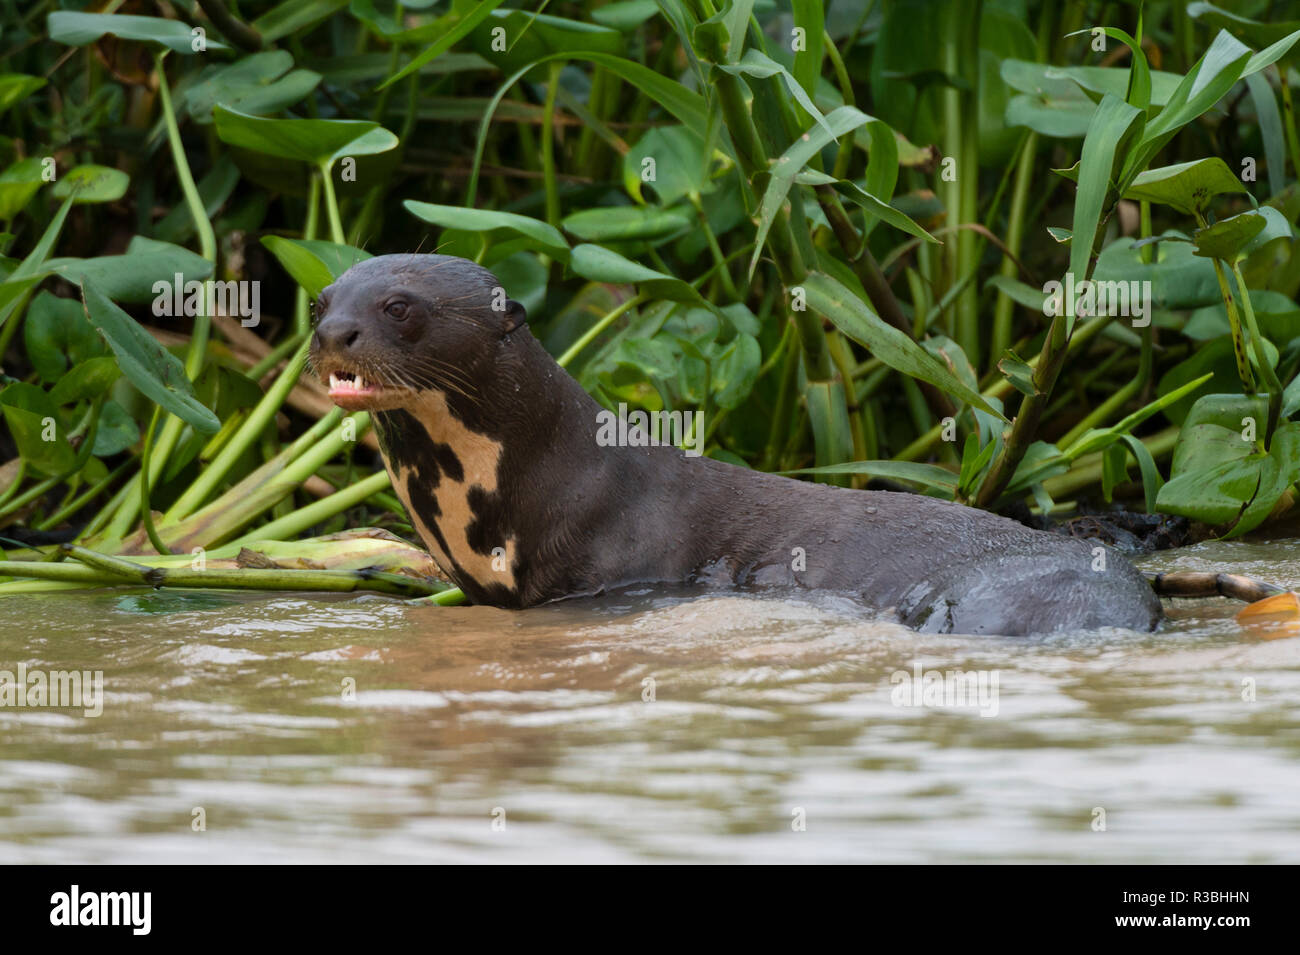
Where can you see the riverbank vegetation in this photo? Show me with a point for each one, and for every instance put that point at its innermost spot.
(1009, 253)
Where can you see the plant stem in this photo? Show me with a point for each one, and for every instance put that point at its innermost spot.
(576, 348)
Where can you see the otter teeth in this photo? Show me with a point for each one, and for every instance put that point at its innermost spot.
(352, 383)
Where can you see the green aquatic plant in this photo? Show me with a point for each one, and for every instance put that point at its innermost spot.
(824, 226)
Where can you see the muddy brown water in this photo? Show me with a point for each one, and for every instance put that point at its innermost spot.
(363, 729)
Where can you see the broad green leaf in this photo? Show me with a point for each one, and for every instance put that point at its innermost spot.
(1227, 239)
(258, 85)
(306, 140)
(92, 184)
(132, 277)
(313, 263)
(56, 334)
(1137, 91)
(1187, 187)
(601, 265)
(625, 223)
(1178, 277)
(155, 371)
(79, 29)
(117, 430)
(89, 379)
(494, 226)
(679, 163)
(36, 429)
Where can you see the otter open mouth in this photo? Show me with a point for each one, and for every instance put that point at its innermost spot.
(347, 384)
(352, 391)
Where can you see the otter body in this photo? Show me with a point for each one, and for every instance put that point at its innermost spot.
(493, 450)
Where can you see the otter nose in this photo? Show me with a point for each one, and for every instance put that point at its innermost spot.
(337, 332)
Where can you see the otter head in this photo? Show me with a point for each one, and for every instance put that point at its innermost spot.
(393, 327)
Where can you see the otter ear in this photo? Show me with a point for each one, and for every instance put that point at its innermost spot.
(515, 316)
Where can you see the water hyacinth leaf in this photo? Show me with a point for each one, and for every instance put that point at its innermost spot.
(155, 371)
(494, 226)
(625, 223)
(852, 316)
(601, 265)
(57, 334)
(1227, 239)
(672, 160)
(1179, 278)
(840, 121)
(135, 276)
(78, 29)
(305, 140)
(1241, 488)
(34, 424)
(1187, 187)
(1151, 479)
(313, 263)
(1219, 428)
(257, 85)
(88, 379)
(1046, 103)
(92, 183)
(117, 430)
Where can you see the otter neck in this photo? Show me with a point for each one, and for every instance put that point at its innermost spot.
(468, 463)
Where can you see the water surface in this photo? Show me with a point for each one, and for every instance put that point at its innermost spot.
(363, 729)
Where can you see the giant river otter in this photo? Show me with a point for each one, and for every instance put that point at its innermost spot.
(494, 451)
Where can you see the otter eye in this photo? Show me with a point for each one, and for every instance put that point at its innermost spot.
(396, 309)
